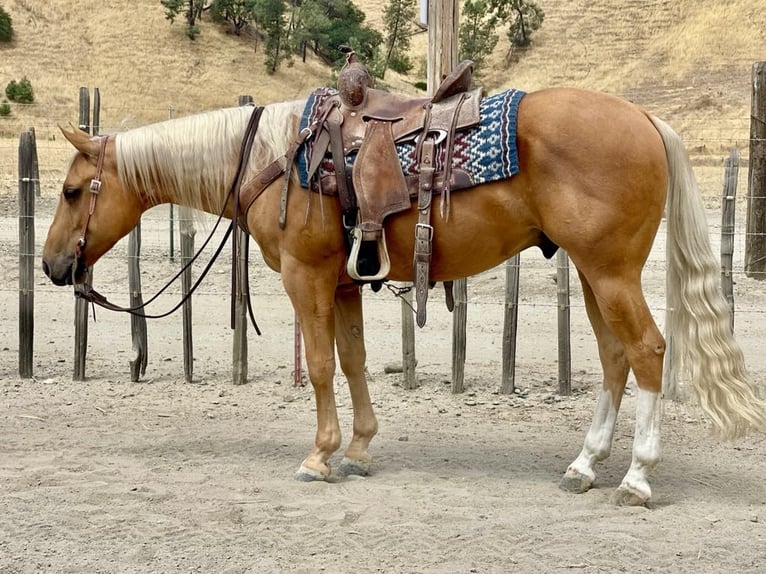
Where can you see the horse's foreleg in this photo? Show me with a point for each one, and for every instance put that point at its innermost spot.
(349, 338)
(580, 475)
(312, 291)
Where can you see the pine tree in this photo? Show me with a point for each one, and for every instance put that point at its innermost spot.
(522, 16)
(271, 17)
(398, 19)
(477, 32)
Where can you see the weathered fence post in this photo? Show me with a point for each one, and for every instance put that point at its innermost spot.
(35, 164)
(510, 324)
(186, 227)
(81, 305)
(459, 319)
(728, 214)
(239, 343)
(27, 158)
(171, 215)
(96, 123)
(564, 347)
(138, 330)
(755, 238)
(409, 376)
(443, 20)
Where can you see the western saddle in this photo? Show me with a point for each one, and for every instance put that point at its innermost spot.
(359, 128)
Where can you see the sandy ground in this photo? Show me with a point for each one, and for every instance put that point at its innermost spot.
(161, 476)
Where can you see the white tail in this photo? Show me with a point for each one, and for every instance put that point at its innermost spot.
(698, 316)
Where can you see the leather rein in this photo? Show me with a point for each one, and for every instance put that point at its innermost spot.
(265, 178)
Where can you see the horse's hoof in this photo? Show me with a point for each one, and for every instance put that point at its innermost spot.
(350, 467)
(627, 496)
(576, 483)
(306, 474)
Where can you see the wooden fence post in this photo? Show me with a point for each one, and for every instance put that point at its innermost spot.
(81, 305)
(564, 347)
(728, 214)
(27, 158)
(171, 216)
(186, 227)
(510, 324)
(409, 361)
(239, 343)
(459, 320)
(96, 123)
(755, 238)
(35, 164)
(138, 330)
(443, 20)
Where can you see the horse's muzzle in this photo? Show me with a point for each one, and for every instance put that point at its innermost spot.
(64, 271)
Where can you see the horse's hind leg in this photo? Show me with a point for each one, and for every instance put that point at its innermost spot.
(349, 338)
(625, 312)
(580, 475)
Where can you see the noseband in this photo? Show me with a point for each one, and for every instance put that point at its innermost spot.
(95, 188)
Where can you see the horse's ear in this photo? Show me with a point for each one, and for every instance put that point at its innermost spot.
(81, 140)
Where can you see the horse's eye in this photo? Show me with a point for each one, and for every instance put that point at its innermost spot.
(71, 193)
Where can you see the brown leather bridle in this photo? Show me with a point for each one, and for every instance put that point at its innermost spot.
(95, 189)
(266, 177)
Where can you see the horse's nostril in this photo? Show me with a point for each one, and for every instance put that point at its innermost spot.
(46, 269)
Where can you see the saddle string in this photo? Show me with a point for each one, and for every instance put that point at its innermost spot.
(91, 295)
(449, 151)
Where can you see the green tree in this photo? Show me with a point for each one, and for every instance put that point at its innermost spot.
(399, 22)
(238, 13)
(346, 29)
(5, 108)
(271, 16)
(6, 26)
(192, 10)
(522, 16)
(310, 25)
(20, 92)
(477, 32)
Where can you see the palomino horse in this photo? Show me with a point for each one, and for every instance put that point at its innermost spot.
(595, 175)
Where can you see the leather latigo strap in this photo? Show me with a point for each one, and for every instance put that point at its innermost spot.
(424, 232)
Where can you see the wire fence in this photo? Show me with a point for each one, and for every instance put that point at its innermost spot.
(159, 235)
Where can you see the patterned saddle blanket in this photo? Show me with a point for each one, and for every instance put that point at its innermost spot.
(486, 152)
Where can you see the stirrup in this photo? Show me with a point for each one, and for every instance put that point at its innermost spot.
(353, 258)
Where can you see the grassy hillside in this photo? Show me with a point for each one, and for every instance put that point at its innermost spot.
(687, 60)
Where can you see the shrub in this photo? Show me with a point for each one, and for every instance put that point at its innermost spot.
(5, 109)
(20, 92)
(6, 26)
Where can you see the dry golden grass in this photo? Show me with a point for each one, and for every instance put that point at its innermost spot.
(689, 61)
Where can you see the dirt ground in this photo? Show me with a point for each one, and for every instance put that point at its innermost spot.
(161, 476)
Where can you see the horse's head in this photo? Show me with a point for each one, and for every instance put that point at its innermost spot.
(93, 211)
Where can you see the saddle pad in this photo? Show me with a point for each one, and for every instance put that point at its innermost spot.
(487, 152)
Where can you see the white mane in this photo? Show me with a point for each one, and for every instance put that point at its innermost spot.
(193, 159)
